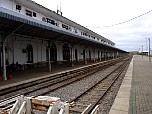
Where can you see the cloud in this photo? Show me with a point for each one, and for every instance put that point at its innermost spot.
(130, 36)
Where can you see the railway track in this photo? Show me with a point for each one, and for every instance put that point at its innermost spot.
(87, 101)
(71, 78)
(49, 80)
(56, 81)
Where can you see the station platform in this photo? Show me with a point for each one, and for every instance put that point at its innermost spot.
(135, 93)
(32, 74)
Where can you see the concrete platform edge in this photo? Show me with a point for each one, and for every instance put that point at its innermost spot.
(121, 103)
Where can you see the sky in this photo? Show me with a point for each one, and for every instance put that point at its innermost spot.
(103, 16)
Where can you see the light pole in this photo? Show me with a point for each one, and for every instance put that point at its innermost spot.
(146, 44)
(149, 50)
(139, 51)
(142, 51)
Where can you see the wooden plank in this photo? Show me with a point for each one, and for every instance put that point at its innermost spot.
(39, 107)
(41, 102)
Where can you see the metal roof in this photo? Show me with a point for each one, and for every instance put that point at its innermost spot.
(49, 13)
(24, 25)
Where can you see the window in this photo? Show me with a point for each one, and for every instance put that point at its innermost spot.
(69, 28)
(29, 13)
(85, 34)
(75, 30)
(65, 26)
(93, 37)
(53, 53)
(18, 7)
(34, 14)
(44, 19)
(57, 24)
(66, 52)
(50, 21)
(29, 49)
(89, 55)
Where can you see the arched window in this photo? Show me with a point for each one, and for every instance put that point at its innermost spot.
(89, 55)
(84, 55)
(53, 52)
(98, 55)
(101, 54)
(66, 52)
(76, 55)
(29, 50)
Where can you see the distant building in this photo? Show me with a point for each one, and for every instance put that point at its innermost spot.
(144, 53)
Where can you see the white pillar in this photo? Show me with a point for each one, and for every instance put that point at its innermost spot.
(85, 57)
(4, 63)
(100, 55)
(71, 56)
(94, 55)
(113, 54)
(49, 62)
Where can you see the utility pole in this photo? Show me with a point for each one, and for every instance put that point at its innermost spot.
(146, 44)
(142, 51)
(149, 50)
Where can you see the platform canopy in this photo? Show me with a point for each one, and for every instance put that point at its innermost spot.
(12, 23)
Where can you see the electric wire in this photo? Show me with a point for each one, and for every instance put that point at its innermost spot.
(124, 21)
(129, 19)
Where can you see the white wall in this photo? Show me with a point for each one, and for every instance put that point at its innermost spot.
(15, 45)
(7, 4)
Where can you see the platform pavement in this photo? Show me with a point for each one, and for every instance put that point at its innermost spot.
(32, 74)
(135, 93)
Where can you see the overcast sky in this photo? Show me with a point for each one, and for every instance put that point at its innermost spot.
(98, 15)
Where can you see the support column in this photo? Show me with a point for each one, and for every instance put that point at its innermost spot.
(109, 55)
(4, 62)
(0, 56)
(49, 62)
(104, 55)
(4, 38)
(94, 55)
(71, 56)
(149, 50)
(100, 55)
(117, 54)
(84, 57)
(85, 60)
(113, 54)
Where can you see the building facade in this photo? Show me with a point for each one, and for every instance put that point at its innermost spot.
(33, 34)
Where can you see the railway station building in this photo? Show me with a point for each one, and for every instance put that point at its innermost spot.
(34, 36)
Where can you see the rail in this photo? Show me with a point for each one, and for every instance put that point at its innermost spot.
(104, 90)
(73, 75)
(59, 77)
